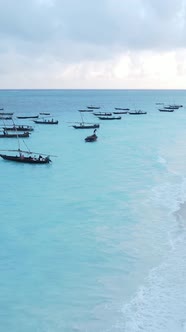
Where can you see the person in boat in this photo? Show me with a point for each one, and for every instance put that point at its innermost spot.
(40, 157)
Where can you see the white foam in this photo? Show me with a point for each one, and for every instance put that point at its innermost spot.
(160, 304)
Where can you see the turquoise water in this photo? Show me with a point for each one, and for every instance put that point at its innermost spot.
(95, 241)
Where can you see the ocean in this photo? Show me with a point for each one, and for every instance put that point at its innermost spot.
(95, 241)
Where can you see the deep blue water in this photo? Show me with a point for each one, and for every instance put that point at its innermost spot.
(95, 241)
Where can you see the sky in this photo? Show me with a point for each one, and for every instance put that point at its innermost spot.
(93, 44)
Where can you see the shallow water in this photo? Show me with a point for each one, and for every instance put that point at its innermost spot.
(95, 241)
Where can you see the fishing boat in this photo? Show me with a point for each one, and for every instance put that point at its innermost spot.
(91, 138)
(137, 113)
(93, 107)
(44, 113)
(8, 135)
(19, 128)
(5, 117)
(102, 113)
(21, 158)
(83, 125)
(109, 117)
(28, 117)
(166, 109)
(46, 122)
(6, 113)
(121, 109)
(120, 112)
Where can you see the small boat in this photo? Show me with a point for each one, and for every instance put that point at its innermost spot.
(137, 113)
(102, 113)
(171, 107)
(83, 125)
(21, 158)
(6, 113)
(166, 109)
(5, 118)
(93, 107)
(91, 138)
(28, 117)
(44, 113)
(109, 117)
(19, 128)
(46, 122)
(7, 135)
(122, 109)
(120, 112)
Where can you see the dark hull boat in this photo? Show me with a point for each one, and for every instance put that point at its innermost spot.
(91, 138)
(102, 114)
(121, 109)
(19, 128)
(28, 117)
(109, 117)
(44, 113)
(93, 107)
(27, 160)
(166, 110)
(5, 118)
(5, 113)
(86, 126)
(120, 112)
(46, 122)
(6, 135)
(137, 113)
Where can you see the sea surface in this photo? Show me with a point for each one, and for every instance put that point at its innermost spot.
(96, 240)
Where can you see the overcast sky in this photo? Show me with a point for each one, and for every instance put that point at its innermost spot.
(93, 44)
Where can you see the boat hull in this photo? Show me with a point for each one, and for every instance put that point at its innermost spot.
(27, 160)
(28, 117)
(86, 126)
(91, 138)
(14, 135)
(46, 122)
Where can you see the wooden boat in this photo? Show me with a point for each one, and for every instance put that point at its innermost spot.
(7, 135)
(84, 125)
(93, 107)
(19, 128)
(121, 109)
(44, 113)
(5, 118)
(6, 113)
(137, 113)
(21, 158)
(166, 110)
(109, 117)
(102, 113)
(91, 138)
(46, 122)
(120, 112)
(171, 107)
(28, 117)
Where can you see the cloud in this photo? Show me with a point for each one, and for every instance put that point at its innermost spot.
(97, 42)
(87, 28)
